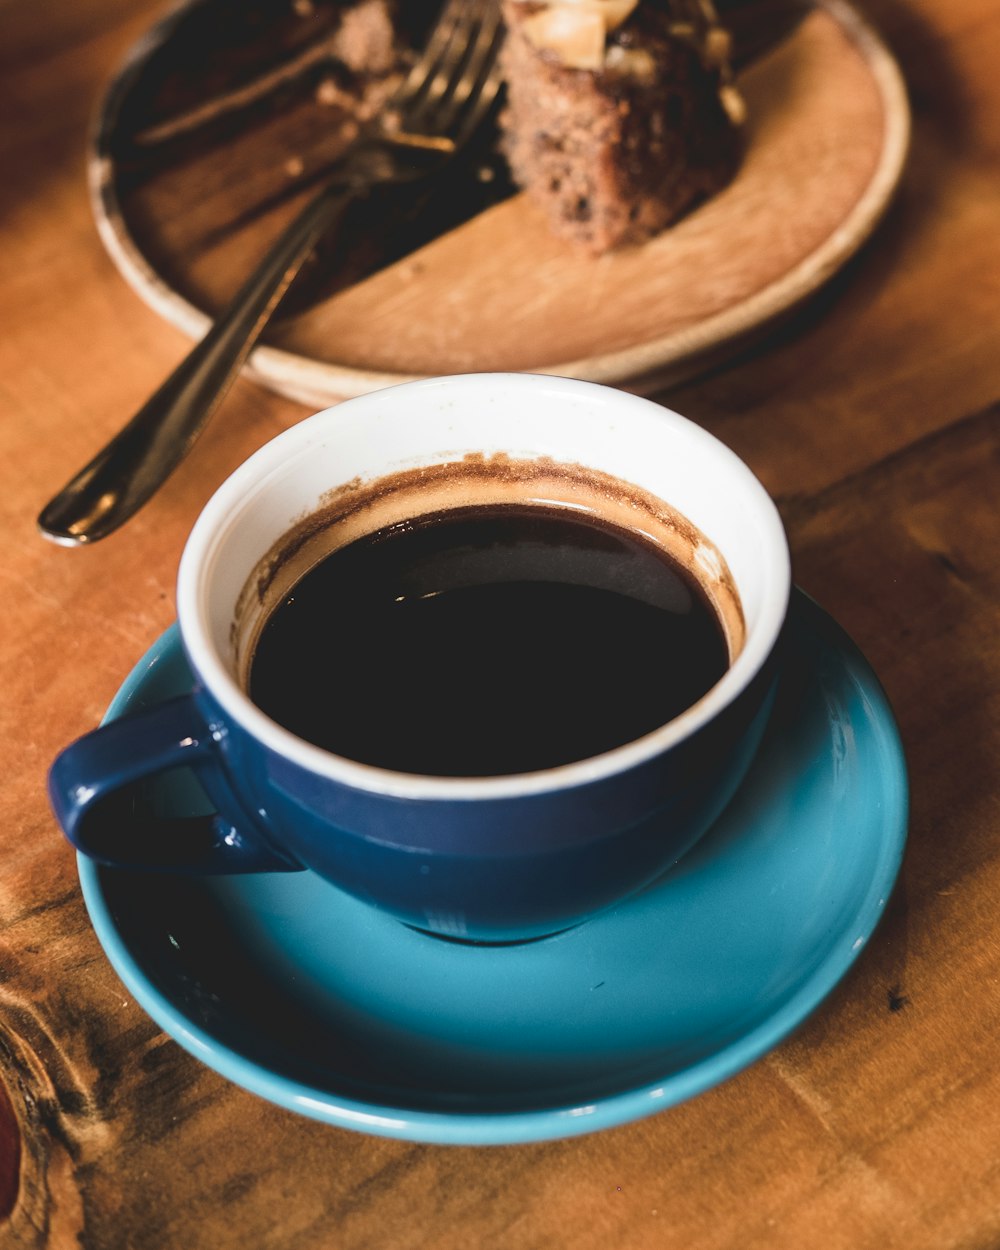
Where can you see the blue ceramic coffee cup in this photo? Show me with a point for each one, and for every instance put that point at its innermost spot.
(497, 858)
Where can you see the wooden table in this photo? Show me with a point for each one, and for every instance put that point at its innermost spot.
(873, 419)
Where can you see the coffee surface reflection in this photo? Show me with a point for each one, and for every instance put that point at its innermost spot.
(487, 640)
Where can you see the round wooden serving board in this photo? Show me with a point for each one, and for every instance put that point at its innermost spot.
(185, 217)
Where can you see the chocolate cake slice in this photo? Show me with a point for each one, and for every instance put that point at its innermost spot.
(621, 114)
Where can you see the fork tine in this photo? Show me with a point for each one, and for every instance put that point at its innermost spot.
(425, 67)
(480, 109)
(464, 74)
(485, 90)
(481, 54)
(445, 71)
(454, 83)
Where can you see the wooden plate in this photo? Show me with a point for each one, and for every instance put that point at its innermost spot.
(185, 218)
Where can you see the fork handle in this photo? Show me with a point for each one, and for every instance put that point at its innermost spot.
(123, 476)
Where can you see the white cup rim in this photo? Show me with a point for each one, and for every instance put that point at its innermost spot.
(193, 592)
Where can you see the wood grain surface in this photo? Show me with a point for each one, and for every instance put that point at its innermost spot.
(874, 418)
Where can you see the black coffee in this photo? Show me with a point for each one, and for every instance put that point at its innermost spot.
(487, 640)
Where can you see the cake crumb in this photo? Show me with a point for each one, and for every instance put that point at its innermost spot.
(329, 95)
(366, 41)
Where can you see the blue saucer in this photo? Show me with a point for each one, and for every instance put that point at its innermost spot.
(311, 999)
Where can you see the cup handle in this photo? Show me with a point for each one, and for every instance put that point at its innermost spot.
(94, 784)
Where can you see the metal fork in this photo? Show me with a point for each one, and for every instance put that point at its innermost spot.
(438, 108)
